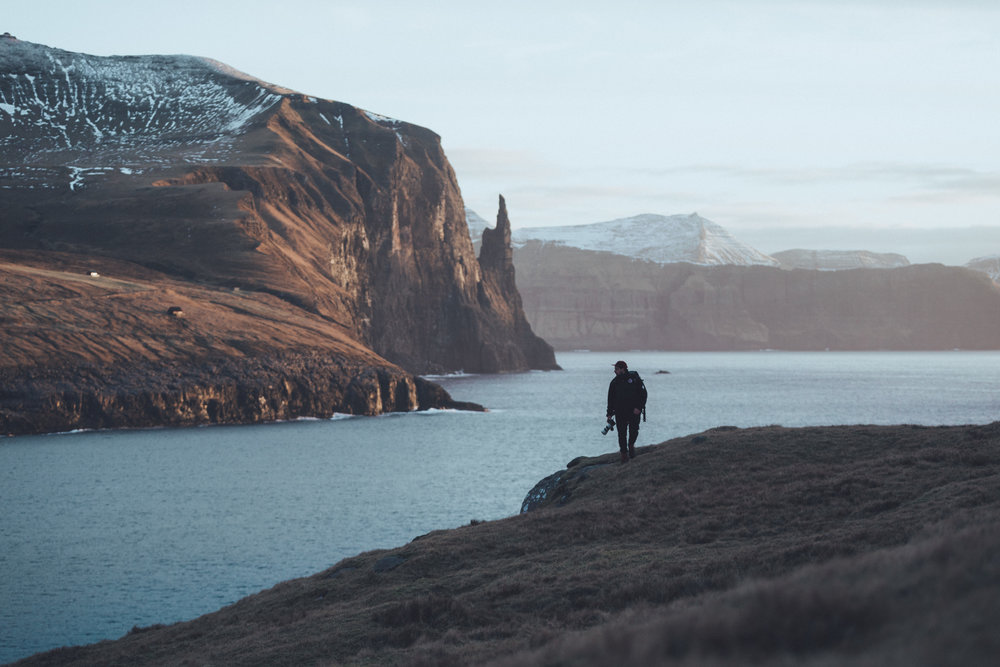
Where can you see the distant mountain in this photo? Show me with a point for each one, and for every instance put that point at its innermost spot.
(990, 265)
(581, 299)
(838, 260)
(699, 289)
(654, 238)
(476, 224)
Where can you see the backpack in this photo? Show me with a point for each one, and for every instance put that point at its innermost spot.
(634, 376)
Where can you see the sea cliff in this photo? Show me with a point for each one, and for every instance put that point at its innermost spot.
(169, 222)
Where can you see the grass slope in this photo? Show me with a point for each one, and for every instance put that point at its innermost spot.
(870, 545)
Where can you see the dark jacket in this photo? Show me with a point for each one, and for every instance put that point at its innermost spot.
(626, 393)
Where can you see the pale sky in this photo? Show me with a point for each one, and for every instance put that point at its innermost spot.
(841, 124)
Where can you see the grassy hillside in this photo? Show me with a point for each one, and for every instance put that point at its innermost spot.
(867, 545)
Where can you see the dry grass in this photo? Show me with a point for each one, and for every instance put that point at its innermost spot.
(868, 545)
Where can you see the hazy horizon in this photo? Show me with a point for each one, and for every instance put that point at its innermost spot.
(774, 119)
(920, 246)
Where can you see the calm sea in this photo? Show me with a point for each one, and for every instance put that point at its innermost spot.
(103, 531)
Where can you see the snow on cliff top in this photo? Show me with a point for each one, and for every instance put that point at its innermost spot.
(63, 108)
(655, 238)
(60, 107)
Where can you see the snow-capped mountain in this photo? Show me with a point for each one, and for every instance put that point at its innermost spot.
(655, 238)
(839, 260)
(990, 265)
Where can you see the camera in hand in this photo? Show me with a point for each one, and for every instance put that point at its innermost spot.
(610, 425)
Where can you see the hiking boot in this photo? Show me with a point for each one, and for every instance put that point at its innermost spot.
(631, 451)
(624, 457)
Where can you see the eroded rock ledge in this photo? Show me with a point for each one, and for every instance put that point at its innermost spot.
(217, 391)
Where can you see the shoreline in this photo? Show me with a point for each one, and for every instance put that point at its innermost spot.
(754, 509)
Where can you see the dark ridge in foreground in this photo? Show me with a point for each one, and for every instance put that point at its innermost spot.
(872, 545)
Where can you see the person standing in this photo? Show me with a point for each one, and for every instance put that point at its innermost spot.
(626, 402)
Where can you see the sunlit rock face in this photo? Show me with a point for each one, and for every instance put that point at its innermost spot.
(182, 166)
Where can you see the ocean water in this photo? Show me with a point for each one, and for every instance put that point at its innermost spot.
(104, 531)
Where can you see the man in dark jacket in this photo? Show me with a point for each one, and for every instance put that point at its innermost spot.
(626, 401)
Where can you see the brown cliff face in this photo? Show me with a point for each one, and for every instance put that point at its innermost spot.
(499, 296)
(134, 348)
(580, 299)
(206, 183)
(384, 247)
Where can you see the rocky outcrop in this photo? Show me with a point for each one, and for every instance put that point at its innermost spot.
(126, 346)
(215, 391)
(499, 295)
(557, 489)
(211, 181)
(577, 299)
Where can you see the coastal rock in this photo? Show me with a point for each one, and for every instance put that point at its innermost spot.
(557, 488)
(499, 296)
(283, 387)
(204, 179)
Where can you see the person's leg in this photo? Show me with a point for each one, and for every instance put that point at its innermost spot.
(633, 434)
(622, 424)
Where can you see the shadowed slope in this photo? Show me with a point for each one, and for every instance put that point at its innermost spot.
(863, 544)
(579, 299)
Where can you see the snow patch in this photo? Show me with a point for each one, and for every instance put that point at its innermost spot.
(379, 118)
(91, 109)
(75, 178)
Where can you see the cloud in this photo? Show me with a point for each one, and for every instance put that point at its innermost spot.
(496, 163)
(947, 245)
(896, 181)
